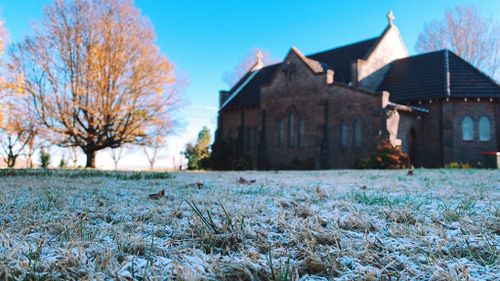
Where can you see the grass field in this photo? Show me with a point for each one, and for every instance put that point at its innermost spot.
(318, 225)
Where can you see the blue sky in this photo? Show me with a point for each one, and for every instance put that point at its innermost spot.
(206, 38)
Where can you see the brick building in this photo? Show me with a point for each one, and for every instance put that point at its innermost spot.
(329, 109)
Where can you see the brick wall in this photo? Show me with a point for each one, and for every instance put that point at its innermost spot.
(438, 136)
(324, 108)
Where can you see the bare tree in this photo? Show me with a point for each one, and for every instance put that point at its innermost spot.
(95, 76)
(16, 133)
(250, 59)
(73, 153)
(466, 33)
(116, 154)
(31, 147)
(3, 36)
(156, 144)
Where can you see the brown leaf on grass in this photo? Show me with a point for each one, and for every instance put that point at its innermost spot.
(197, 184)
(156, 196)
(245, 181)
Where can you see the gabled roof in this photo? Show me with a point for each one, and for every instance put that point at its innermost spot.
(436, 75)
(246, 93)
(340, 59)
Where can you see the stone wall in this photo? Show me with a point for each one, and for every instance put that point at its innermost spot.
(372, 71)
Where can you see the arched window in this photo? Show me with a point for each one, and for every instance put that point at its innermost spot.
(343, 133)
(281, 131)
(357, 133)
(484, 129)
(300, 132)
(291, 128)
(467, 129)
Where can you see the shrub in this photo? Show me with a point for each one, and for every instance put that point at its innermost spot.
(243, 163)
(457, 165)
(222, 154)
(44, 159)
(386, 156)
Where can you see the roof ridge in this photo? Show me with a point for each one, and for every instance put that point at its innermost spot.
(446, 73)
(343, 46)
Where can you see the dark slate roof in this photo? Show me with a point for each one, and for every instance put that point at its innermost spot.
(424, 77)
(249, 95)
(339, 59)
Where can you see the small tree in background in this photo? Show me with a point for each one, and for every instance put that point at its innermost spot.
(73, 153)
(17, 132)
(466, 33)
(44, 158)
(157, 141)
(116, 154)
(198, 155)
(63, 164)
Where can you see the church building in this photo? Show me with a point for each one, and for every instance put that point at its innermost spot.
(329, 109)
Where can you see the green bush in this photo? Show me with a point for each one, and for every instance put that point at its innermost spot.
(44, 159)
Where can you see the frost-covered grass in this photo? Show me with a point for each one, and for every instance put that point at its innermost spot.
(319, 225)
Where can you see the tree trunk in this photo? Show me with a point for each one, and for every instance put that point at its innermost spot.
(11, 161)
(90, 159)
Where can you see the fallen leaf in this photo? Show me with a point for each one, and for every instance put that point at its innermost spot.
(156, 196)
(245, 181)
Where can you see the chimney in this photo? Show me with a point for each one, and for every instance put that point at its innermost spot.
(385, 99)
(223, 96)
(329, 76)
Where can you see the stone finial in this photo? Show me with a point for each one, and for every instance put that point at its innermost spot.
(259, 63)
(259, 56)
(391, 17)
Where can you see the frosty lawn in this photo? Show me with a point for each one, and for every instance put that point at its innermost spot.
(342, 225)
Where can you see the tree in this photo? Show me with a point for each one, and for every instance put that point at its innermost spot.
(95, 76)
(466, 33)
(44, 158)
(73, 153)
(17, 132)
(116, 154)
(198, 155)
(248, 61)
(3, 36)
(152, 150)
